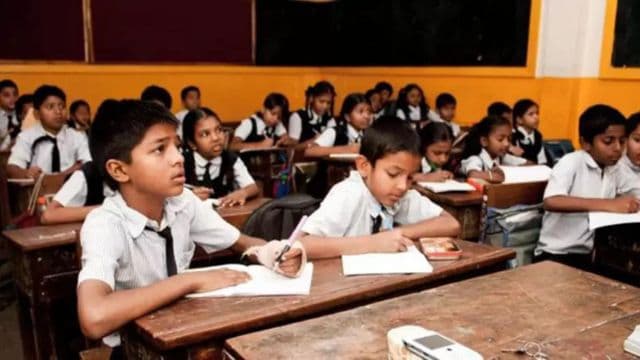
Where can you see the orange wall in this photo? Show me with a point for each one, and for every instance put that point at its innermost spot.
(236, 91)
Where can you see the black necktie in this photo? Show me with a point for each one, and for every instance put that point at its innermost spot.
(377, 224)
(168, 245)
(206, 178)
(55, 153)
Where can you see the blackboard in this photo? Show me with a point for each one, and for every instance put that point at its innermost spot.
(393, 32)
(626, 43)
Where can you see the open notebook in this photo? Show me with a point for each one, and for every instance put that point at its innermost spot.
(408, 262)
(523, 174)
(264, 282)
(446, 186)
(598, 219)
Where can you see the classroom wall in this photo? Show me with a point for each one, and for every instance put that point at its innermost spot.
(564, 76)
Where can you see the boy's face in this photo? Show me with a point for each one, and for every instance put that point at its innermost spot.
(498, 142)
(385, 95)
(157, 166)
(209, 137)
(606, 148)
(376, 102)
(360, 116)
(414, 97)
(448, 112)
(83, 116)
(8, 97)
(633, 146)
(391, 177)
(52, 113)
(438, 153)
(273, 116)
(321, 104)
(192, 100)
(530, 119)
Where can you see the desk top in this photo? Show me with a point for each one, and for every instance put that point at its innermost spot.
(572, 314)
(194, 320)
(455, 199)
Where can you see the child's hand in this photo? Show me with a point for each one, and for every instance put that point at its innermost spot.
(496, 175)
(516, 150)
(267, 142)
(390, 241)
(625, 205)
(33, 172)
(441, 175)
(282, 142)
(291, 263)
(202, 192)
(354, 148)
(217, 279)
(237, 198)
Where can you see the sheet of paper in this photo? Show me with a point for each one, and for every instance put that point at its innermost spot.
(599, 219)
(523, 174)
(408, 262)
(264, 282)
(347, 156)
(449, 185)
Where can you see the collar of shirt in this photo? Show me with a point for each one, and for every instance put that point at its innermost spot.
(5, 113)
(427, 167)
(315, 118)
(487, 160)
(202, 162)
(626, 161)
(58, 136)
(528, 137)
(353, 134)
(374, 206)
(135, 221)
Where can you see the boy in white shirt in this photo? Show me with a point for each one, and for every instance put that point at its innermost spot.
(9, 122)
(446, 112)
(264, 129)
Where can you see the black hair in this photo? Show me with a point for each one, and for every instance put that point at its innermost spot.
(22, 101)
(320, 88)
(186, 90)
(118, 128)
(383, 85)
(5, 83)
(350, 102)
(274, 100)
(445, 99)
(158, 94)
(520, 108)
(632, 123)
(189, 124)
(596, 119)
(498, 108)
(76, 104)
(484, 128)
(389, 135)
(403, 104)
(43, 92)
(434, 132)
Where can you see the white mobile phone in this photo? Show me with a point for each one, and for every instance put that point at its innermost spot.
(434, 346)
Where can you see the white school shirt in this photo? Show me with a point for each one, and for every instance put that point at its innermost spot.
(349, 210)
(71, 144)
(577, 174)
(117, 250)
(295, 124)
(414, 113)
(74, 191)
(180, 115)
(244, 129)
(629, 168)
(328, 137)
(531, 139)
(241, 174)
(484, 162)
(455, 128)
(5, 138)
(426, 167)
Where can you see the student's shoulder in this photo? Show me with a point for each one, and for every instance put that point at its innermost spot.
(30, 134)
(351, 188)
(573, 160)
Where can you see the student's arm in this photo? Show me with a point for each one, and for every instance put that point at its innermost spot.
(319, 247)
(56, 213)
(76, 166)
(16, 172)
(495, 176)
(238, 144)
(285, 141)
(563, 203)
(240, 196)
(317, 151)
(443, 225)
(436, 176)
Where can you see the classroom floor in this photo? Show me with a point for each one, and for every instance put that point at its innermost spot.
(10, 333)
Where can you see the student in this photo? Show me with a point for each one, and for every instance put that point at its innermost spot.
(526, 135)
(584, 181)
(9, 122)
(158, 95)
(190, 96)
(136, 246)
(376, 103)
(305, 124)
(386, 91)
(346, 136)
(265, 128)
(436, 140)
(486, 149)
(446, 112)
(49, 146)
(359, 213)
(24, 104)
(500, 109)
(215, 172)
(411, 105)
(80, 117)
(630, 162)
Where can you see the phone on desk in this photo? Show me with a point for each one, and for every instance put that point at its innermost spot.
(431, 345)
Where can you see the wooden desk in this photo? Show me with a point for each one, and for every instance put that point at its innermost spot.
(265, 165)
(238, 215)
(572, 314)
(196, 328)
(464, 206)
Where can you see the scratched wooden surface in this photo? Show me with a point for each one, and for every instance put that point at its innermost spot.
(572, 314)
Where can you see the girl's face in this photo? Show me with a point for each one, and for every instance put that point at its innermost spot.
(414, 97)
(82, 116)
(498, 141)
(321, 104)
(209, 137)
(273, 116)
(633, 146)
(360, 116)
(530, 119)
(438, 153)
(376, 102)
(385, 95)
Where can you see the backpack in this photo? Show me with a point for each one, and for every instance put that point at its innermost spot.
(278, 218)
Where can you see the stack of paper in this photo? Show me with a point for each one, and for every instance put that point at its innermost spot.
(449, 185)
(524, 174)
(599, 219)
(264, 282)
(632, 343)
(408, 262)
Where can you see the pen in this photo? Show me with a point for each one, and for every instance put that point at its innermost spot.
(292, 237)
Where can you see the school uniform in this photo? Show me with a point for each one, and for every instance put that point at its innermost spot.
(224, 174)
(379, 114)
(181, 114)
(484, 162)
(124, 249)
(426, 167)
(629, 168)
(78, 192)
(254, 129)
(342, 134)
(455, 128)
(531, 143)
(306, 124)
(9, 128)
(414, 114)
(52, 153)
(577, 174)
(351, 210)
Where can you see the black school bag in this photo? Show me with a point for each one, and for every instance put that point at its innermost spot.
(278, 218)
